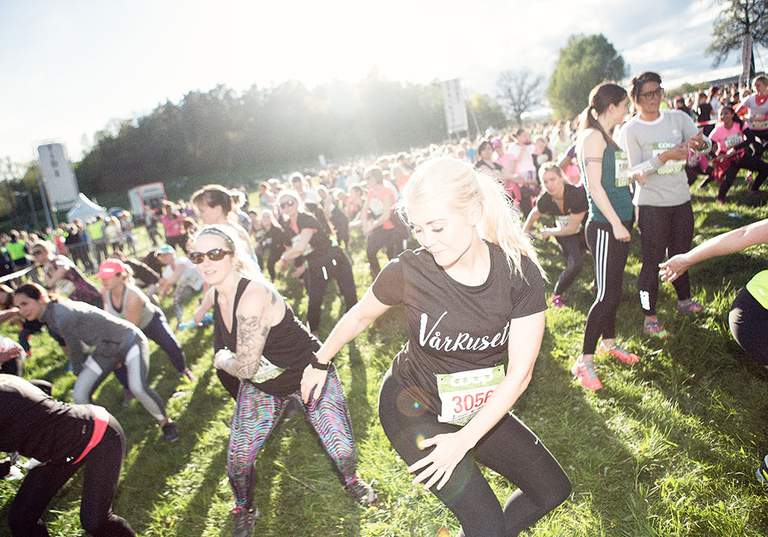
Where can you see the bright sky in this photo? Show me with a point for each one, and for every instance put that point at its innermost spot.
(68, 68)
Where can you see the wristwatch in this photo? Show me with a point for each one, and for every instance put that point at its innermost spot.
(315, 363)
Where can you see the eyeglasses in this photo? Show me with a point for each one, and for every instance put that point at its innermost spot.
(286, 204)
(658, 92)
(217, 254)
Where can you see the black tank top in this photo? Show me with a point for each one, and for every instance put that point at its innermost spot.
(289, 344)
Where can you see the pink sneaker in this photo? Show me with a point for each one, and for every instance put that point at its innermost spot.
(585, 373)
(689, 307)
(623, 356)
(557, 301)
(654, 328)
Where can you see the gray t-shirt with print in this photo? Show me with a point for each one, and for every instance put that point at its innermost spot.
(643, 142)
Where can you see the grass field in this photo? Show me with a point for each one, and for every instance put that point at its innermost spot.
(668, 448)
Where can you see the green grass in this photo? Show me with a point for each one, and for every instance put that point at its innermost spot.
(668, 448)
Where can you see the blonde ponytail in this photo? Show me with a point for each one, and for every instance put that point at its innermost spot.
(464, 188)
(500, 224)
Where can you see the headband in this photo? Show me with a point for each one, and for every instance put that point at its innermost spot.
(218, 232)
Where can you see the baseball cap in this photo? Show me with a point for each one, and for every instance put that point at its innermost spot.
(166, 249)
(110, 268)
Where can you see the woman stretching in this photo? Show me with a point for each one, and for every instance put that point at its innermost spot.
(123, 299)
(66, 438)
(474, 304)
(114, 341)
(568, 205)
(259, 341)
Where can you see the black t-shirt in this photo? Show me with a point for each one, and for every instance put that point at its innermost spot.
(289, 345)
(490, 166)
(320, 243)
(574, 201)
(546, 156)
(454, 327)
(39, 426)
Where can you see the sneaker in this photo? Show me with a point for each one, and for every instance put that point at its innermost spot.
(623, 355)
(244, 519)
(362, 492)
(170, 433)
(654, 328)
(557, 301)
(584, 371)
(689, 307)
(762, 472)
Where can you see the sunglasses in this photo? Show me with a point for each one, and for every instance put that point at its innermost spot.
(658, 92)
(286, 204)
(217, 254)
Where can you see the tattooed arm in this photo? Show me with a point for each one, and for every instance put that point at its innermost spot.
(260, 308)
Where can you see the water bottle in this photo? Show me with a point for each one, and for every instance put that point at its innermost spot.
(186, 325)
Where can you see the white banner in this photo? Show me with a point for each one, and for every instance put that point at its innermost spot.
(58, 176)
(455, 108)
(746, 60)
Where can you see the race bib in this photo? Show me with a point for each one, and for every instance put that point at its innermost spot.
(622, 169)
(671, 166)
(267, 371)
(463, 394)
(733, 141)
(759, 123)
(562, 221)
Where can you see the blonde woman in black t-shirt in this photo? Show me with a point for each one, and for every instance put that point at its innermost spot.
(471, 289)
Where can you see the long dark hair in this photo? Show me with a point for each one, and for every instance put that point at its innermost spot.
(600, 98)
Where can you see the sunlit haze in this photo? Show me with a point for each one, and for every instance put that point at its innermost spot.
(68, 68)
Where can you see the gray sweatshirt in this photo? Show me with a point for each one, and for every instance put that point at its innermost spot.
(643, 141)
(79, 323)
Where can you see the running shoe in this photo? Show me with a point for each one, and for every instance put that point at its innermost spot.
(622, 355)
(762, 471)
(362, 492)
(586, 374)
(654, 328)
(557, 301)
(689, 307)
(244, 520)
(170, 433)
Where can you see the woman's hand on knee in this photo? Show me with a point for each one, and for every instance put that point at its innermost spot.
(439, 465)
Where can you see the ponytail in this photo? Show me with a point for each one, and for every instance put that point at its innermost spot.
(500, 224)
(588, 120)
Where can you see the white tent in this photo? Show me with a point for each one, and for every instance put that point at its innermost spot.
(85, 209)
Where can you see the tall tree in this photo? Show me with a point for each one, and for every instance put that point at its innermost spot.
(584, 62)
(739, 26)
(519, 91)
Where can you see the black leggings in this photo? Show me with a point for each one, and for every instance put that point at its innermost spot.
(335, 264)
(664, 231)
(749, 325)
(573, 249)
(377, 239)
(610, 258)
(748, 162)
(102, 469)
(510, 449)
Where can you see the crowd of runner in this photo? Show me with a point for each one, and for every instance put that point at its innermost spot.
(457, 223)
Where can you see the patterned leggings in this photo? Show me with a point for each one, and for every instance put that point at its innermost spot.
(256, 415)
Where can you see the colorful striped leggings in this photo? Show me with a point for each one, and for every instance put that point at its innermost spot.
(256, 415)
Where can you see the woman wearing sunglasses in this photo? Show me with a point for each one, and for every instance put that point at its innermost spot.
(114, 342)
(474, 305)
(259, 341)
(324, 259)
(61, 272)
(657, 143)
(123, 299)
